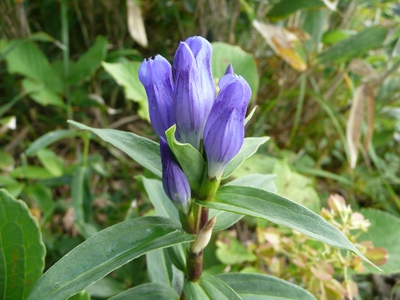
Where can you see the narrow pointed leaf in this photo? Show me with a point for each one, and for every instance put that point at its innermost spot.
(249, 147)
(189, 158)
(263, 287)
(22, 251)
(104, 252)
(142, 150)
(211, 288)
(148, 291)
(48, 139)
(165, 208)
(263, 204)
(226, 219)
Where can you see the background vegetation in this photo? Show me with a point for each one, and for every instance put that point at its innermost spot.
(326, 84)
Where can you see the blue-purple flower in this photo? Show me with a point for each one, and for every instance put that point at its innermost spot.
(185, 95)
(224, 130)
(175, 182)
(156, 77)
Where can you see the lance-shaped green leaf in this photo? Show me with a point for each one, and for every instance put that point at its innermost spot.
(263, 204)
(165, 208)
(22, 250)
(190, 160)
(104, 252)
(82, 203)
(142, 150)
(48, 139)
(148, 291)
(354, 46)
(250, 146)
(209, 288)
(263, 287)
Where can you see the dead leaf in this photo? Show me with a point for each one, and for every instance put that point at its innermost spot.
(135, 23)
(354, 124)
(362, 68)
(284, 43)
(370, 116)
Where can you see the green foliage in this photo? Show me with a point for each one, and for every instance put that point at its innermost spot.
(104, 252)
(263, 287)
(384, 234)
(23, 252)
(270, 206)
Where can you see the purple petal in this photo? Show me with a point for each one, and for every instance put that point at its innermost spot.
(224, 130)
(175, 182)
(202, 51)
(156, 77)
(229, 70)
(189, 109)
(223, 141)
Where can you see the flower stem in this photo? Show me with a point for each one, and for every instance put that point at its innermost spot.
(194, 265)
(194, 261)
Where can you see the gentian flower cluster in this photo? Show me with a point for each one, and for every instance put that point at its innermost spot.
(184, 94)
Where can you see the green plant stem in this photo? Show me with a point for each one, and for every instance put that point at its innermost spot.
(303, 81)
(86, 142)
(65, 41)
(194, 261)
(194, 265)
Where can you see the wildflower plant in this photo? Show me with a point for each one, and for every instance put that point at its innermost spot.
(201, 142)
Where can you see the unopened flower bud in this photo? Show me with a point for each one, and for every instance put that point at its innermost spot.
(156, 77)
(224, 130)
(203, 237)
(194, 89)
(175, 182)
(337, 203)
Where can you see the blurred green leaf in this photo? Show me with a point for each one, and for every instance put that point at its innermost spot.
(286, 7)
(384, 233)
(43, 197)
(41, 94)
(30, 172)
(243, 64)
(144, 151)
(126, 75)
(23, 252)
(83, 295)
(104, 252)
(266, 205)
(148, 291)
(82, 202)
(88, 63)
(354, 46)
(48, 139)
(211, 288)
(51, 162)
(336, 35)
(27, 59)
(230, 251)
(7, 180)
(6, 161)
(264, 287)
(105, 288)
